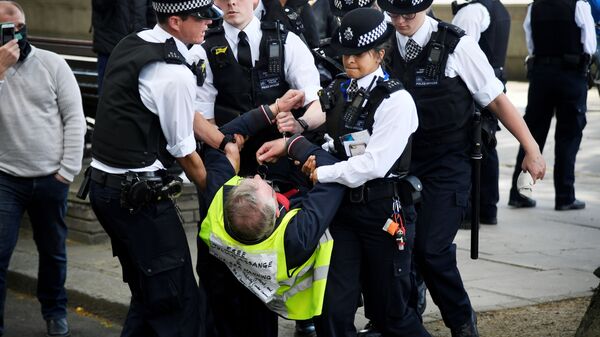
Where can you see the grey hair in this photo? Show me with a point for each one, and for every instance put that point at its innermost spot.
(251, 219)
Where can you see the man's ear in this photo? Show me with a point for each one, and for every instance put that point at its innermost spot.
(174, 23)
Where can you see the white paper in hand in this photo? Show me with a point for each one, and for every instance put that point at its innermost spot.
(525, 184)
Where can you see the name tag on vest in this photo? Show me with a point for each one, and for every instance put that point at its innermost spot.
(422, 80)
(268, 80)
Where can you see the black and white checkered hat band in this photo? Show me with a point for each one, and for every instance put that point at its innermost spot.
(361, 3)
(416, 2)
(179, 7)
(373, 35)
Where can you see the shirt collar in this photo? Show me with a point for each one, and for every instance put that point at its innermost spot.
(252, 31)
(421, 36)
(364, 81)
(161, 35)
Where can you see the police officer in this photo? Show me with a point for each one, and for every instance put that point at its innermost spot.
(445, 71)
(488, 22)
(144, 120)
(370, 118)
(560, 40)
(252, 63)
(281, 252)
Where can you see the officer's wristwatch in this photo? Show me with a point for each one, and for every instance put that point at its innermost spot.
(226, 139)
(303, 124)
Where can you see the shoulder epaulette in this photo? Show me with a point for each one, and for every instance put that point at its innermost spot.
(172, 54)
(390, 86)
(455, 33)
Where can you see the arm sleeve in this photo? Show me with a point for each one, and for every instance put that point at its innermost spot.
(395, 120)
(319, 206)
(73, 120)
(474, 19)
(527, 29)
(207, 93)
(584, 20)
(300, 70)
(249, 123)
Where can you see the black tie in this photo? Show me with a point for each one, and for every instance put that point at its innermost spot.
(243, 54)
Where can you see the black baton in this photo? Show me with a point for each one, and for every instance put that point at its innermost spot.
(475, 183)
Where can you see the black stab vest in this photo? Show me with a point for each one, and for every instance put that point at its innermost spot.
(553, 28)
(444, 105)
(126, 133)
(336, 127)
(241, 89)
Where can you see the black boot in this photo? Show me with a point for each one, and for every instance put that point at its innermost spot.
(305, 329)
(369, 331)
(468, 329)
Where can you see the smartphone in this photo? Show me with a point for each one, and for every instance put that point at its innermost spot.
(7, 32)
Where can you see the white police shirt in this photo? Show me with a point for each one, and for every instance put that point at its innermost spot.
(299, 66)
(474, 19)
(394, 121)
(467, 61)
(583, 19)
(167, 90)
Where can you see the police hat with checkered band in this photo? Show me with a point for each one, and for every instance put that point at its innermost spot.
(203, 9)
(404, 6)
(360, 30)
(341, 7)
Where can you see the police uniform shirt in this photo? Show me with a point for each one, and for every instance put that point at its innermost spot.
(168, 90)
(583, 19)
(299, 66)
(394, 121)
(474, 19)
(467, 61)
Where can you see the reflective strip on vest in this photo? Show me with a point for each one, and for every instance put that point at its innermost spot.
(294, 294)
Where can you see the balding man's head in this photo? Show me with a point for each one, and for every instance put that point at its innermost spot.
(11, 11)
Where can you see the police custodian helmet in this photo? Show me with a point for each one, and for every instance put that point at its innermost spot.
(360, 30)
(404, 6)
(203, 9)
(341, 7)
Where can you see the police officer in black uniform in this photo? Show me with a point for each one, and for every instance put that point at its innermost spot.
(488, 22)
(560, 39)
(296, 16)
(370, 118)
(144, 121)
(445, 71)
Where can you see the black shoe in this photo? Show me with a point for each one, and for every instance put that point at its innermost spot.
(518, 201)
(369, 331)
(576, 204)
(469, 329)
(58, 328)
(305, 329)
(488, 220)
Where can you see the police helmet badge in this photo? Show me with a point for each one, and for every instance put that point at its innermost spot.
(348, 35)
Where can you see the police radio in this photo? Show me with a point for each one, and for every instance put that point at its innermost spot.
(274, 64)
(434, 59)
(355, 108)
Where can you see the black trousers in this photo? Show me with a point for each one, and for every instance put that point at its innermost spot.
(152, 248)
(563, 93)
(366, 258)
(445, 171)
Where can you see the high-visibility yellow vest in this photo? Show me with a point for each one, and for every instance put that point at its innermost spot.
(293, 294)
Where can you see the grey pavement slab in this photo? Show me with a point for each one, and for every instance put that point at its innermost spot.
(531, 256)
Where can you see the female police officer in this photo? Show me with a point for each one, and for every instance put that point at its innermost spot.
(371, 119)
